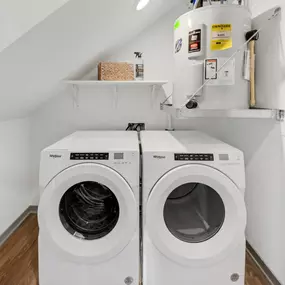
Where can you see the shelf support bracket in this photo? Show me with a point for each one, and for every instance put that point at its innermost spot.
(116, 97)
(75, 95)
(153, 93)
(280, 115)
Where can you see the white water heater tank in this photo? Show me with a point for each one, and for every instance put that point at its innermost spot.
(205, 38)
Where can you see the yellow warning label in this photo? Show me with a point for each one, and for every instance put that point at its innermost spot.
(221, 37)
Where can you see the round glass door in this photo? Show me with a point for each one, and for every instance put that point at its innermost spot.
(194, 212)
(195, 215)
(89, 210)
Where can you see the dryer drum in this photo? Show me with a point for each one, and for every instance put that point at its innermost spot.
(194, 213)
(89, 210)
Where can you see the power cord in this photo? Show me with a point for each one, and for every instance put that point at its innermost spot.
(136, 127)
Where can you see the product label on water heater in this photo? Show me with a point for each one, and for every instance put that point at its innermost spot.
(226, 76)
(221, 37)
(195, 41)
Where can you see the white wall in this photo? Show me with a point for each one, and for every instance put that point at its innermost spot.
(15, 187)
(18, 17)
(260, 139)
(266, 229)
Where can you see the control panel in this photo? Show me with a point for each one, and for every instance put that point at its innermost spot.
(194, 156)
(89, 156)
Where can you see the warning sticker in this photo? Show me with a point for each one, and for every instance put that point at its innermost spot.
(226, 74)
(221, 37)
(211, 68)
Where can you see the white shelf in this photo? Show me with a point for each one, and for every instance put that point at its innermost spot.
(155, 87)
(242, 114)
(116, 83)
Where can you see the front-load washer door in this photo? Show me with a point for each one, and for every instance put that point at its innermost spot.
(88, 212)
(195, 215)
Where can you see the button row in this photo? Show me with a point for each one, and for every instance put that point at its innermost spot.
(89, 156)
(194, 157)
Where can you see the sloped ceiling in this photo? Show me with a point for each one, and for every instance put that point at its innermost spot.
(18, 17)
(80, 32)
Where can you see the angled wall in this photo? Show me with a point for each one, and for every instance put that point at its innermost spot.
(18, 17)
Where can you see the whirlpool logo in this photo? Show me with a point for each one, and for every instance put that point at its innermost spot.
(159, 157)
(54, 156)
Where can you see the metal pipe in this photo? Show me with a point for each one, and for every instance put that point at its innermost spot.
(197, 2)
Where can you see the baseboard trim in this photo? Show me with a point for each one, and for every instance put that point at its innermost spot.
(262, 266)
(33, 209)
(17, 223)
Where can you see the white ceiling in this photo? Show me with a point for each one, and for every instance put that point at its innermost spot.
(68, 41)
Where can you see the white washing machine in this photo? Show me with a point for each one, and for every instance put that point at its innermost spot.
(89, 210)
(194, 214)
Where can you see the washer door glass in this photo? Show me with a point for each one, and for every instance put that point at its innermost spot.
(89, 210)
(194, 212)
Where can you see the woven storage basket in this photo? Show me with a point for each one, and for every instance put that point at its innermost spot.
(116, 71)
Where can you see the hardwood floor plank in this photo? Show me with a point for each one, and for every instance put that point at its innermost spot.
(254, 275)
(18, 255)
(19, 258)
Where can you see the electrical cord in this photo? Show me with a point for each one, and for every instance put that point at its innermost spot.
(135, 127)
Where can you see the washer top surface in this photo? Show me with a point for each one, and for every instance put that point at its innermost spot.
(96, 141)
(182, 141)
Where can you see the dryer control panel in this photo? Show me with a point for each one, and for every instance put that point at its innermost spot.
(89, 156)
(194, 156)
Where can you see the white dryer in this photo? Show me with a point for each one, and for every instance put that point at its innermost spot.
(89, 210)
(194, 214)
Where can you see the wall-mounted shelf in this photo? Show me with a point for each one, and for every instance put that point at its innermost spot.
(116, 83)
(154, 84)
(242, 114)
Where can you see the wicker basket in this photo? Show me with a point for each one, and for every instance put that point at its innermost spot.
(116, 71)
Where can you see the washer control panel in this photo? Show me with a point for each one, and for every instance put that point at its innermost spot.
(194, 156)
(89, 156)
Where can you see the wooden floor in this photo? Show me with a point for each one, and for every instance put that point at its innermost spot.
(19, 258)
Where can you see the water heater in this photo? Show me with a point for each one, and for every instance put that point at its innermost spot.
(205, 38)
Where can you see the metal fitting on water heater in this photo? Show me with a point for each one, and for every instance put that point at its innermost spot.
(192, 104)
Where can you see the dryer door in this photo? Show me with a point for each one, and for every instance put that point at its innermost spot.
(195, 215)
(88, 212)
